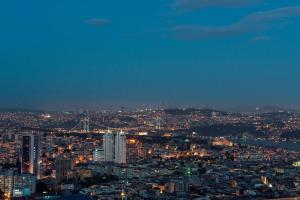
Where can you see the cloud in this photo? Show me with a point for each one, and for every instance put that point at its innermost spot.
(98, 22)
(253, 23)
(189, 5)
(261, 38)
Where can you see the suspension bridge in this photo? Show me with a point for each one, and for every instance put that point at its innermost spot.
(84, 126)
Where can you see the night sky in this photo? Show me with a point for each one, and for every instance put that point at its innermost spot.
(58, 54)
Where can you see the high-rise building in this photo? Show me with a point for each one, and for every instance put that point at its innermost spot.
(98, 155)
(108, 147)
(135, 151)
(49, 143)
(24, 185)
(15, 185)
(63, 167)
(120, 148)
(7, 183)
(30, 153)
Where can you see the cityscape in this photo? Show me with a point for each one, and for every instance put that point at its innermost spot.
(150, 154)
(150, 100)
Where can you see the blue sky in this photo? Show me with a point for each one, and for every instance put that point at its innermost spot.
(74, 53)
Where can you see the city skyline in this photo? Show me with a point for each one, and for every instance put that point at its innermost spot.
(174, 99)
(223, 54)
(150, 154)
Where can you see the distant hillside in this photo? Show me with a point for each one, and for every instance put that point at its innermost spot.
(255, 109)
(21, 110)
(225, 129)
(189, 111)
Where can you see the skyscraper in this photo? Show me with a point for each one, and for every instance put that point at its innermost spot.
(16, 185)
(63, 167)
(120, 148)
(108, 147)
(30, 153)
(7, 183)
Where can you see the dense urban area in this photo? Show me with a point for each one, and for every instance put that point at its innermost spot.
(149, 154)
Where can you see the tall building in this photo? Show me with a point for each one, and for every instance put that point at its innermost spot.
(49, 143)
(120, 148)
(63, 167)
(24, 185)
(7, 183)
(98, 155)
(135, 151)
(15, 185)
(108, 147)
(30, 153)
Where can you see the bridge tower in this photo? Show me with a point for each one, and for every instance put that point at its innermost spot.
(158, 123)
(86, 125)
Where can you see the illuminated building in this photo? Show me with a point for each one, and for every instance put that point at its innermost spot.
(222, 142)
(135, 150)
(24, 185)
(6, 183)
(123, 195)
(296, 164)
(49, 143)
(17, 186)
(30, 154)
(108, 147)
(98, 155)
(120, 148)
